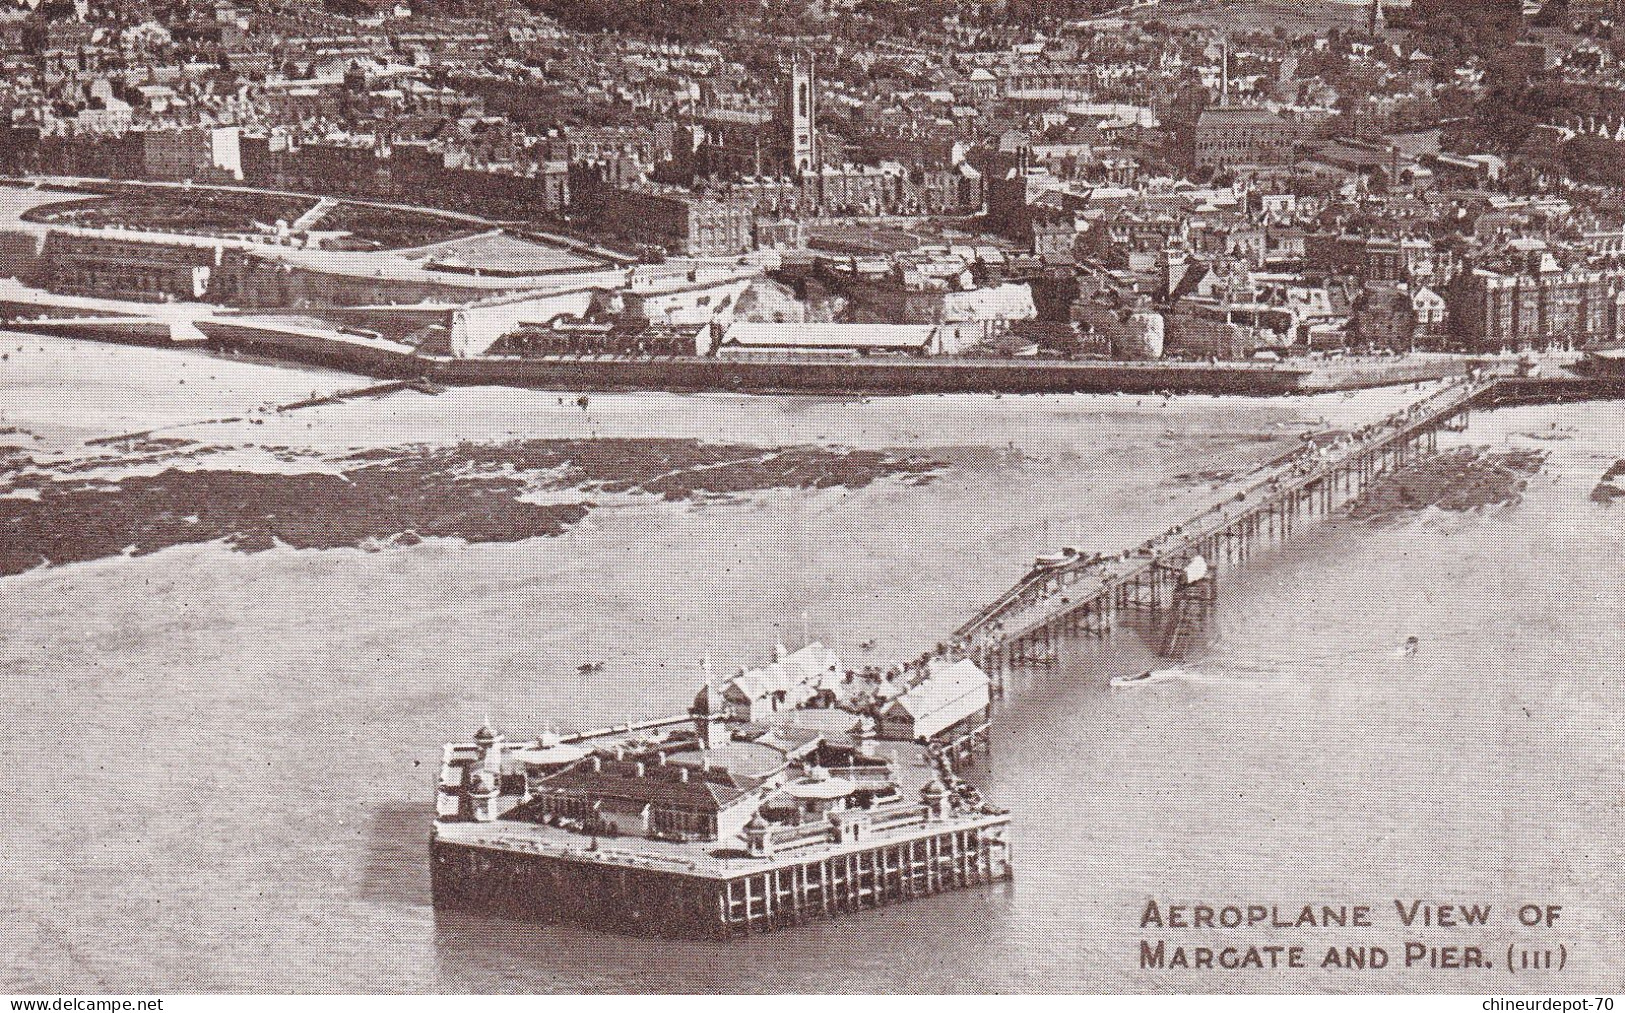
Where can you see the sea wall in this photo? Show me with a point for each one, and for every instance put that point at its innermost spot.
(789, 375)
(1527, 390)
(1352, 375)
(314, 350)
(865, 376)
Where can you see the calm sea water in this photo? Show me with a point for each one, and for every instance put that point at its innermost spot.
(222, 762)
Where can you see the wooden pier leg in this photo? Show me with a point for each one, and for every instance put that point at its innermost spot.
(798, 890)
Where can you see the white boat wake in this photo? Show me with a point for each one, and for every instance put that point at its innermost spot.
(1259, 680)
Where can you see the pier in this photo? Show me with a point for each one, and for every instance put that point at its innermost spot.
(1025, 625)
(734, 829)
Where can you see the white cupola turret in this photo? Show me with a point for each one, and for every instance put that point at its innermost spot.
(484, 788)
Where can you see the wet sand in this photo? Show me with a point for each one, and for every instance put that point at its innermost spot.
(1606, 491)
(469, 492)
(1467, 478)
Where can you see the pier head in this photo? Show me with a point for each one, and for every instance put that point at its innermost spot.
(707, 824)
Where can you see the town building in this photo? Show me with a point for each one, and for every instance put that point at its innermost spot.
(1230, 136)
(680, 222)
(829, 339)
(1491, 311)
(199, 155)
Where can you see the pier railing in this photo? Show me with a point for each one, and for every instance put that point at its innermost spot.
(880, 821)
(880, 774)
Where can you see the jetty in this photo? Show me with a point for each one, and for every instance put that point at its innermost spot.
(1089, 593)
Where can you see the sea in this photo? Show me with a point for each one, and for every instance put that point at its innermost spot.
(222, 762)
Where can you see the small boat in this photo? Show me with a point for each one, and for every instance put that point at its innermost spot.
(589, 667)
(1150, 676)
(1050, 560)
(868, 645)
(1130, 680)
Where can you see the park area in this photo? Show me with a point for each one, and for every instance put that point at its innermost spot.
(201, 212)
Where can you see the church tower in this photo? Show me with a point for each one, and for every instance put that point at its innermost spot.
(803, 115)
(1378, 24)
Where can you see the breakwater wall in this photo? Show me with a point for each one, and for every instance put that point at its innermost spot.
(151, 333)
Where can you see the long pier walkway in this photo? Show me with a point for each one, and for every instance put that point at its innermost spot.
(1087, 593)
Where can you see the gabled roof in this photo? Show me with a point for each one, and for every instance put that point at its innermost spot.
(708, 791)
(751, 685)
(942, 688)
(809, 664)
(1196, 272)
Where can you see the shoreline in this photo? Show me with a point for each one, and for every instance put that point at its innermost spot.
(280, 342)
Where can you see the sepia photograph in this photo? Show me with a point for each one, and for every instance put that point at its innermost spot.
(812, 497)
